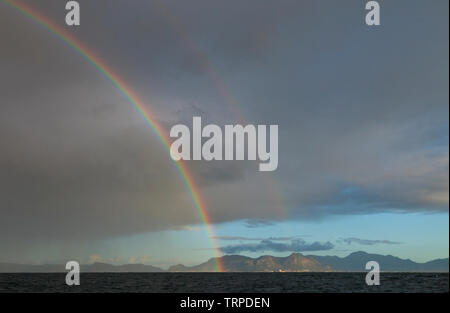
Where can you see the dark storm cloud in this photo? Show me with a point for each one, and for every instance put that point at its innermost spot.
(77, 162)
(298, 245)
(367, 242)
(362, 113)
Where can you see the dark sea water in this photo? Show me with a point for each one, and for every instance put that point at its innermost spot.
(226, 282)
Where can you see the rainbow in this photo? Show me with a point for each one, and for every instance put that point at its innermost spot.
(138, 104)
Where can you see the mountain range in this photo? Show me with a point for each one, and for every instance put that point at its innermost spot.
(296, 262)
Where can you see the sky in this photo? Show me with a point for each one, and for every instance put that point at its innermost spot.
(363, 116)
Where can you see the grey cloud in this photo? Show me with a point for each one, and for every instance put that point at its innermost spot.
(243, 238)
(254, 223)
(367, 242)
(297, 245)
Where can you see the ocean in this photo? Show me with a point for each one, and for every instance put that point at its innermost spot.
(226, 282)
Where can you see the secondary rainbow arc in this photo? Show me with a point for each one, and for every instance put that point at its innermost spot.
(133, 99)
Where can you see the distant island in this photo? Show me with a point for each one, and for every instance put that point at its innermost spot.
(296, 262)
